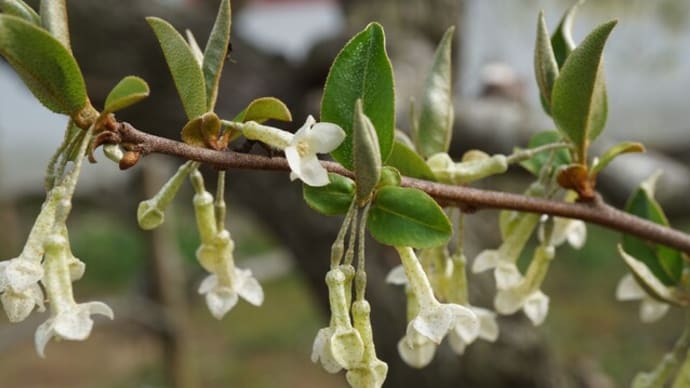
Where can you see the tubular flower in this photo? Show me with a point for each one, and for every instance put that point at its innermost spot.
(433, 319)
(226, 283)
(68, 320)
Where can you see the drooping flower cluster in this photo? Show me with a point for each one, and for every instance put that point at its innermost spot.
(225, 282)
(515, 291)
(430, 320)
(47, 265)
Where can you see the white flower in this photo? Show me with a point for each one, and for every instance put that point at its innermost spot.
(396, 276)
(535, 304)
(19, 279)
(68, 320)
(650, 309)
(507, 275)
(223, 292)
(434, 319)
(309, 140)
(72, 322)
(226, 283)
(488, 330)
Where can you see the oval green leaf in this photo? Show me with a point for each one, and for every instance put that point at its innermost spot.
(186, 72)
(665, 263)
(409, 163)
(263, 109)
(607, 157)
(334, 198)
(545, 65)
(361, 70)
(21, 10)
(435, 127)
(128, 91)
(408, 217)
(578, 100)
(44, 64)
(216, 51)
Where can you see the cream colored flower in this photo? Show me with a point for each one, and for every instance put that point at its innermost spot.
(311, 139)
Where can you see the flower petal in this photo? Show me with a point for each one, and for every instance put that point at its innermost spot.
(347, 347)
(536, 307)
(508, 301)
(321, 351)
(325, 137)
(22, 273)
(488, 327)
(629, 289)
(432, 323)
(249, 288)
(208, 284)
(507, 275)
(99, 308)
(397, 276)
(220, 300)
(466, 324)
(73, 324)
(416, 356)
(457, 344)
(577, 234)
(486, 260)
(44, 333)
(652, 310)
(307, 167)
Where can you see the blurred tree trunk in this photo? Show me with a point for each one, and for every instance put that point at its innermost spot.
(110, 48)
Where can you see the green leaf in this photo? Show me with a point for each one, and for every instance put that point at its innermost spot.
(561, 157)
(562, 40)
(545, 66)
(665, 263)
(409, 163)
(263, 109)
(408, 217)
(186, 72)
(128, 91)
(361, 70)
(365, 150)
(21, 10)
(435, 126)
(44, 64)
(578, 100)
(216, 51)
(54, 19)
(334, 198)
(613, 152)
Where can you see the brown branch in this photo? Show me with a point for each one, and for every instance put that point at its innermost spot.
(597, 211)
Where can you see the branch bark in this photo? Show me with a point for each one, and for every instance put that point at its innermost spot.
(597, 211)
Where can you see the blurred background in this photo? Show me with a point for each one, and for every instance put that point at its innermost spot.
(163, 336)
